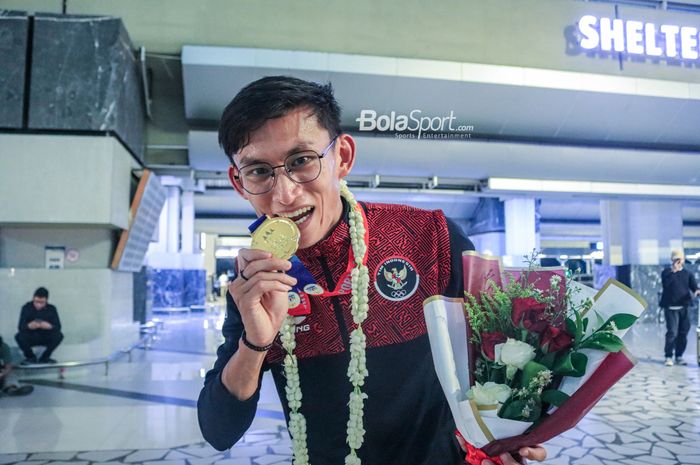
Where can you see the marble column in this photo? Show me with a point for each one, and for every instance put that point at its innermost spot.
(176, 266)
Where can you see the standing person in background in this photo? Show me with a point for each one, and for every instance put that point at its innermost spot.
(39, 325)
(678, 284)
(223, 284)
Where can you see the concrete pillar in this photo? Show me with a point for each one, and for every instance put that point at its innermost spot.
(187, 230)
(640, 232)
(209, 251)
(521, 228)
(173, 234)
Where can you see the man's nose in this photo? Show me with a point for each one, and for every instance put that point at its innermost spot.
(285, 190)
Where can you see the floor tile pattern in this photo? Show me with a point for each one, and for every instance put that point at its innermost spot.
(651, 417)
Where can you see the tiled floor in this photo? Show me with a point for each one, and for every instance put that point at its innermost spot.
(144, 412)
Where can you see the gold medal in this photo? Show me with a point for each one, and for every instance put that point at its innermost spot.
(279, 236)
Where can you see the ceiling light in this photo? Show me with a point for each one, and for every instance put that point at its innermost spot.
(590, 187)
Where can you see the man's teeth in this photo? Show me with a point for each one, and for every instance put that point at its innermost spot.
(298, 216)
(301, 220)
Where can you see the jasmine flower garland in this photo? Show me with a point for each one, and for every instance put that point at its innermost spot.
(357, 368)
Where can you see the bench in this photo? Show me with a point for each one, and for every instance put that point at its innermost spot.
(147, 332)
(61, 367)
(171, 310)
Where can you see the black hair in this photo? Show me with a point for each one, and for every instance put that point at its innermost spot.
(273, 97)
(42, 293)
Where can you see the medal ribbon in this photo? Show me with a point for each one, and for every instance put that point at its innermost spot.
(344, 286)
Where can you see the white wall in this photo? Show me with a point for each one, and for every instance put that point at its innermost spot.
(95, 308)
(24, 247)
(70, 191)
(59, 179)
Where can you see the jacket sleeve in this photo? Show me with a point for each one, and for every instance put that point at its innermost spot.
(691, 282)
(666, 277)
(458, 244)
(55, 320)
(23, 320)
(223, 419)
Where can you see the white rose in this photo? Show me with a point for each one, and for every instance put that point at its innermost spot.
(514, 355)
(489, 393)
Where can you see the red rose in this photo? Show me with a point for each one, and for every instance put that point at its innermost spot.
(555, 339)
(529, 312)
(489, 341)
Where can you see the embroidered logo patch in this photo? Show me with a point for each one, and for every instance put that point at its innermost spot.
(396, 279)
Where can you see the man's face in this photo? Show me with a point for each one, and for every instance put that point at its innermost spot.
(315, 205)
(39, 302)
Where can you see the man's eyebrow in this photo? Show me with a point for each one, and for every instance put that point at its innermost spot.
(301, 146)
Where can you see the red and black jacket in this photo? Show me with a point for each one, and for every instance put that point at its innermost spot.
(413, 254)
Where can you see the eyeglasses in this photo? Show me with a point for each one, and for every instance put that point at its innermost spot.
(300, 167)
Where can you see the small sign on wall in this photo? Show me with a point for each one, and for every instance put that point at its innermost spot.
(54, 257)
(72, 255)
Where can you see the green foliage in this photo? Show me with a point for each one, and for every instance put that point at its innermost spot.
(530, 372)
(554, 397)
(570, 364)
(603, 340)
(619, 321)
(491, 312)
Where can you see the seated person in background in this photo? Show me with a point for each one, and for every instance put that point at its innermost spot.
(39, 326)
(9, 385)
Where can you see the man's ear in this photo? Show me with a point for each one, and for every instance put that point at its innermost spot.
(346, 154)
(235, 183)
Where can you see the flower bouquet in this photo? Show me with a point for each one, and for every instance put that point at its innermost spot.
(527, 353)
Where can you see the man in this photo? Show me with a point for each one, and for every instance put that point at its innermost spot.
(39, 326)
(9, 384)
(282, 123)
(223, 284)
(678, 286)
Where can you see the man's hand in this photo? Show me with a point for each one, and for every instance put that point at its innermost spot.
(260, 292)
(45, 325)
(34, 325)
(536, 453)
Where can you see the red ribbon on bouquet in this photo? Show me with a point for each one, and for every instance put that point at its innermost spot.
(476, 456)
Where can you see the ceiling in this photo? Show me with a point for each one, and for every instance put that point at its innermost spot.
(499, 101)
(534, 124)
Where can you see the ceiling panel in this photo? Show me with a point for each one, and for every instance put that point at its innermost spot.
(536, 104)
(577, 209)
(482, 159)
(562, 114)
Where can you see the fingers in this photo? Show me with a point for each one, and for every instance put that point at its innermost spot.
(265, 264)
(263, 277)
(246, 256)
(508, 459)
(252, 261)
(249, 292)
(536, 453)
